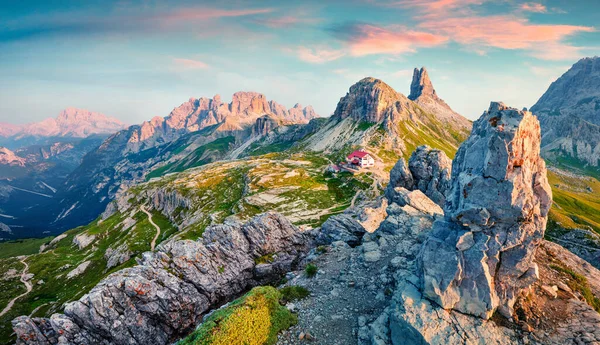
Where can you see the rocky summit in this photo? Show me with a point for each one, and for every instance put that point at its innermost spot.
(374, 116)
(166, 295)
(569, 113)
(480, 256)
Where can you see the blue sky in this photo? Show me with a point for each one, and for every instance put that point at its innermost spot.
(137, 59)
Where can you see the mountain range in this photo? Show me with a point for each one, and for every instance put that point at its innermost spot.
(173, 224)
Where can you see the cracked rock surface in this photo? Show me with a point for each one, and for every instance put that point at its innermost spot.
(166, 295)
(428, 170)
(480, 256)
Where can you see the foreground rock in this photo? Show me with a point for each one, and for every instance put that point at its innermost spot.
(428, 171)
(166, 296)
(481, 255)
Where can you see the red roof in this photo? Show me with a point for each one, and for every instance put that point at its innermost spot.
(357, 154)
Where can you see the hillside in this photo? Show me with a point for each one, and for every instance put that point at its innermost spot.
(375, 117)
(197, 132)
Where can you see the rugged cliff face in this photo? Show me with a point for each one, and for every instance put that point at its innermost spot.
(481, 255)
(166, 295)
(569, 113)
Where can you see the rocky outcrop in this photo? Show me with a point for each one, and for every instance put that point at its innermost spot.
(569, 113)
(480, 257)
(423, 94)
(166, 295)
(341, 227)
(8, 157)
(428, 171)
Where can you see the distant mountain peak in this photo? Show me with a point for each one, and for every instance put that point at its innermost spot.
(421, 85)
(71, 122)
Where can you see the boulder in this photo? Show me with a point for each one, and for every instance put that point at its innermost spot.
(428, 170)
(480, 256)
(341, 227)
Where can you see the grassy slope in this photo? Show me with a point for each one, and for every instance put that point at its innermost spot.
(52, 266)
(255, 318)
(576, 201)
(22, 247)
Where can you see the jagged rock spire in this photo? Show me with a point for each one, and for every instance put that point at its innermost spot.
(421, 85)
(480, 257)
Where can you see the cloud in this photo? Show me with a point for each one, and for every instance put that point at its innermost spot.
(128, 21)
(285, 21)
(189, 63)
(367, 39)
(316, 55)
(436, 5)
(558, 52)
(193, 14)
(506, 32)
(404, 73)
(533, 7)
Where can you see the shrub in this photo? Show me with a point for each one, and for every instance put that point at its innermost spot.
(311, 270)
(254, 319)
(293, 293)
(579, 283)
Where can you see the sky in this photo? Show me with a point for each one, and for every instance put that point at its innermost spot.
(135, 59)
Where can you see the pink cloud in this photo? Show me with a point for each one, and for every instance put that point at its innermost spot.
(437, 5)
(502, 31)
(533, 7)
(316, 55)
(365, 39)
(189, 63)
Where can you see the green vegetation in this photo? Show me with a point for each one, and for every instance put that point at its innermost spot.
(364, 125)
(254, 319)
(576, 202)
(293, 293)
(311, 270)
(265, 259)
(200, 156)
(577, 282)
(51, 287)
(22, 247)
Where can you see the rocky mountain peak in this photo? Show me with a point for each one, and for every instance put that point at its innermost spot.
(249, 102)
(368, 100)
(8, 157)
(421, 85)
(480, 257)
(575, 93)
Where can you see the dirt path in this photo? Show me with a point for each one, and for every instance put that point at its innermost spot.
(27, 285)
(153, 244)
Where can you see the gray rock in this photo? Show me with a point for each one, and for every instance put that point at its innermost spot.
(500, 196)
(341, 227)
(166, 295)
(428, 171)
